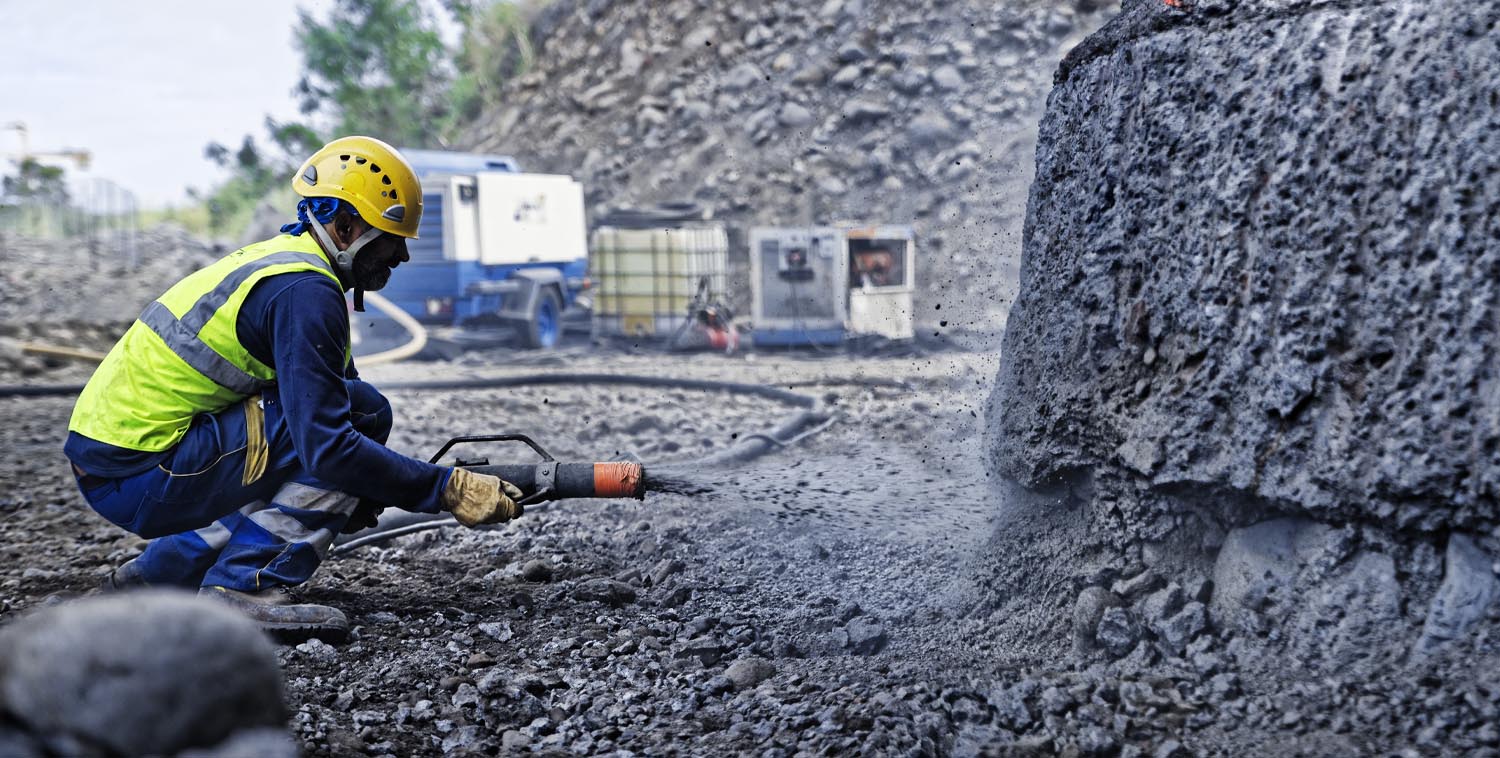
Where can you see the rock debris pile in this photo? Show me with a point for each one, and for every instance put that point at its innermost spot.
(80, 294)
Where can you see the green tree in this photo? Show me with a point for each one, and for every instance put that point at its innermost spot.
(496, 47)
(35, 183)
(251, 176)
(379, 68)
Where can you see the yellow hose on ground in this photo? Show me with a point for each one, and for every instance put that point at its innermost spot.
(412, 347)
(416, 330)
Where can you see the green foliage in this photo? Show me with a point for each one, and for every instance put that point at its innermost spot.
(293, 138)
(193, 218)
(496, 48)
(34, 183)
(379, 68)
(252, 175)
(34, 200)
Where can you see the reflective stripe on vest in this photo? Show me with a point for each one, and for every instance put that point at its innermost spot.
(169, 368)
(214, 299)
(196, 353)
(181, 335)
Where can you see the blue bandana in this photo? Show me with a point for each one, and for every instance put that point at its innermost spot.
(322, 208)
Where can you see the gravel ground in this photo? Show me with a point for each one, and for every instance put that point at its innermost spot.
(649, 626)
(866, 591)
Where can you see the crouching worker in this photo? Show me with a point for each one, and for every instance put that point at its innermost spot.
(228, 425)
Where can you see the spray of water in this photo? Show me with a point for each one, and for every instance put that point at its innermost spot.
(677, 481)
(678, 484)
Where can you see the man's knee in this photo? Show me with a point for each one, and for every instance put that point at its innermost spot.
(369, 411)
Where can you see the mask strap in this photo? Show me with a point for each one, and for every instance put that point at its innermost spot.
(363, 239)
(344, 265)
(360, 241)
(344, 259)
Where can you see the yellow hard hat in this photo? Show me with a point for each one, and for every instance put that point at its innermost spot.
(371, 176)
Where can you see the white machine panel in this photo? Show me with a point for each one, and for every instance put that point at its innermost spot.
(530, 218)
(888, 314)
(460, 220)
(882, 276)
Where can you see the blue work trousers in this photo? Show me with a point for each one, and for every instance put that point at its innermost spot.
(209, 528)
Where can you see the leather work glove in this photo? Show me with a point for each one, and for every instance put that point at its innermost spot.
(476, 499)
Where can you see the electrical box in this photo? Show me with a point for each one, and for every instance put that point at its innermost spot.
(821, 285)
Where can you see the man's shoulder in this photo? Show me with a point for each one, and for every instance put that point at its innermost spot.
(289, 243)
(281, 243)
(306, 283)
(299, 292)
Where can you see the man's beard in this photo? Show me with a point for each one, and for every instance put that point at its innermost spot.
(369, 275)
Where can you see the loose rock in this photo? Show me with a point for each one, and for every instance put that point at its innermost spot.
(745, 673)
(215, 669)
(607, 591)
(536, 570)
(865, 636)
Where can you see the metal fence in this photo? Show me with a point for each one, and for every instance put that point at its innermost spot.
(97, 213)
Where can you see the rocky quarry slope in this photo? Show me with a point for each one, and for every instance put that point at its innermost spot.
(84, 294)
(786, 113)
(1256, 348)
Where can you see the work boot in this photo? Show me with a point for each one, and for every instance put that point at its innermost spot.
(126, 576)
(281, 616)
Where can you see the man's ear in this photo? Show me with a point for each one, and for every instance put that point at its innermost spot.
(343, 227)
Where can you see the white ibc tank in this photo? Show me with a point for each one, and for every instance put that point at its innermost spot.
(644, 279)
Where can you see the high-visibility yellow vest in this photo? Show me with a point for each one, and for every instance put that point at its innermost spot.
(182, 357)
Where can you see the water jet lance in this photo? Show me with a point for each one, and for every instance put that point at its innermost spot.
(543, 481)
(551, 479)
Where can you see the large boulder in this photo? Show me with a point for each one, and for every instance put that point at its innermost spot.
(1262, 262)
(143, 673)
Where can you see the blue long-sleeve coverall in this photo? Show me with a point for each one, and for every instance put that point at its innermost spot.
(325, 430)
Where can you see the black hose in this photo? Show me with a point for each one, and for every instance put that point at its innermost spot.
(739, 388)
(761, 390)
(402, 527)
(772, 393)
(755, 445)
(39, 390)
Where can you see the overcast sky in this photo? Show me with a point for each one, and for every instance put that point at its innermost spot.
(145, 85)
